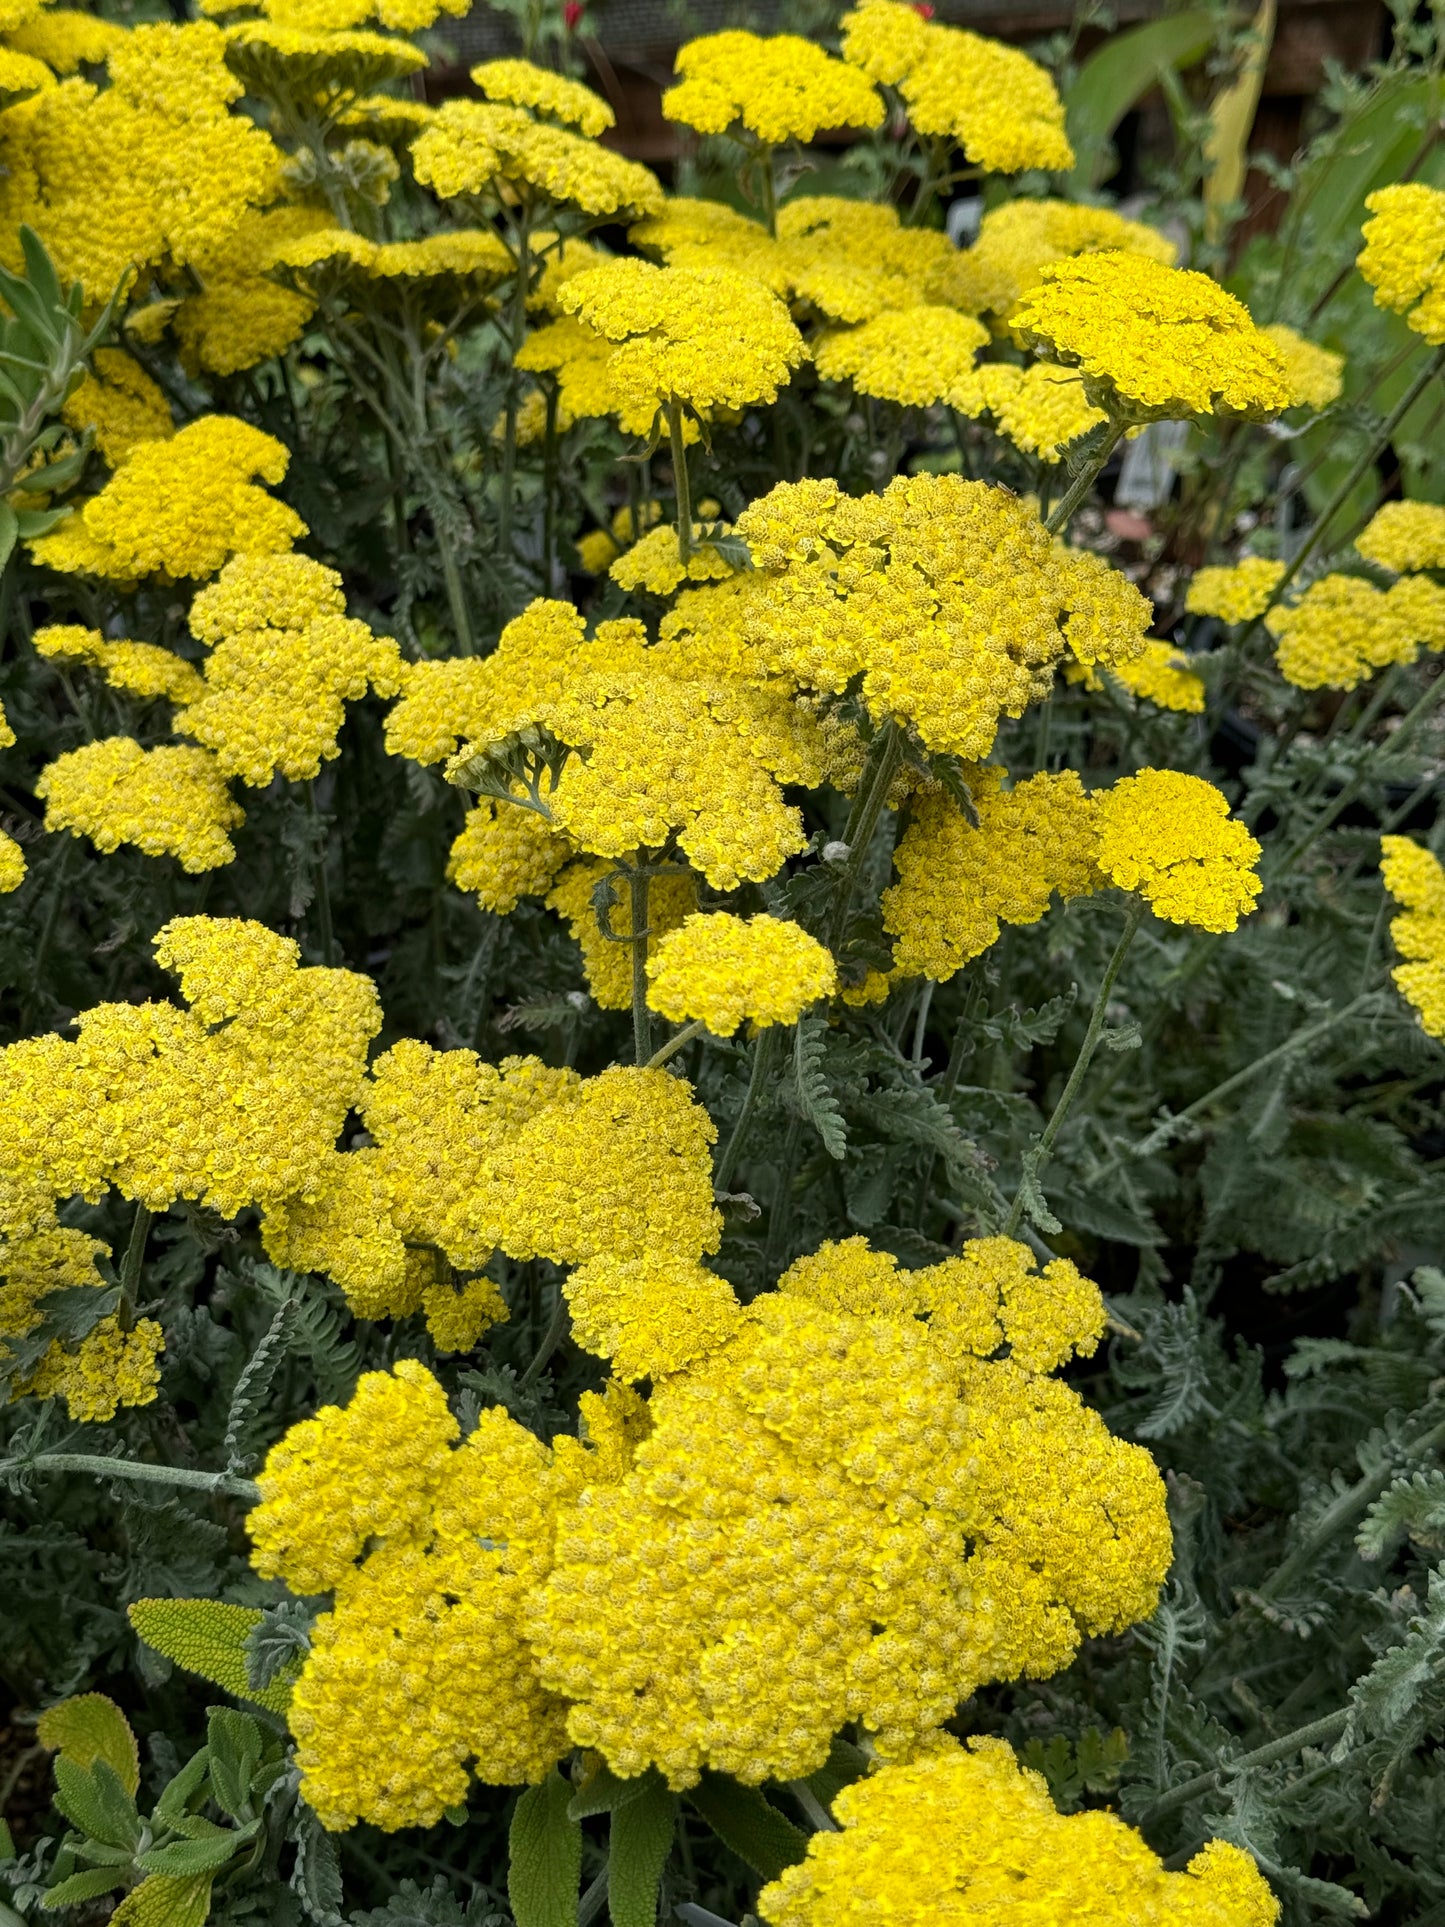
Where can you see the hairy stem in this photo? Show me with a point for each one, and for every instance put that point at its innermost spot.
(130, 1264)
(1036, 1158)
(103, 1468)
(681, 485)
(884, 754)
(1317, 1733)
(675, 1043)
(637, 884)
(1084, 480)
(764, 1051)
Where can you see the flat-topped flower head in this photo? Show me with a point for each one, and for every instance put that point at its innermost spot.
(478, 147)
(1000, 107)
(1315, 376)
(553, 96)
(1040, 408)
(1413, 877)
(1236, 593)
(326, 70)
(1170, 837)
(1404, 536)
(1403, 258)
(777, 87)
(947, 599)
(180, 507)
(120, 403)
(727, 971)
(1153, 342)
(1018, 240)
(1344, 628)
(709, 337)
(169, 801)
(913, 356)
(656, 563)
(973, 1824)
(851, 260)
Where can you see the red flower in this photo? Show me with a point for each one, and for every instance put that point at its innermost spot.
(924, 9)
(573, 11)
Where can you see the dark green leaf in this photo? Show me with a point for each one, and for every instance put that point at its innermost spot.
(643, 1824)
(545, 1856)
(743, 1820)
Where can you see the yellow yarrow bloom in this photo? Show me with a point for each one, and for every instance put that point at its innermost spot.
(1170, 837)
(241, 315)
(140, 669)
(66, 39)
(180, 507)
(1343, 628)
(327, 69)
(523, 84)
(504, 854)
(1000, 107)
(1413, 877)
(581, 361)
(1040, 409)
(606, 963)
(1403, 258)
(728, 971)
(1236, 593)
(655, 563)
(1018, 240)
(12, 864)
(777, 87)
(709, 337)
(1402, 536)
(690, 233)
(650, 1316)
(170, 801)
(121, 403)
(1153, 342)
(852, 260)
(924, 1481)
(972, 1827)
(109, 1368)
(913, 356)
(957, 885)
(1161, 676)
(1315, 376)
(473, 146)
(947, 597)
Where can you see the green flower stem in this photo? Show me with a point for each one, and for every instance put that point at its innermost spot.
(1036, 1158)
(103, 1468)
(764, 1051)
(1409, 722)
(1317, 1733)
(885, 753)
(769, 185)
(130, 1265)
(681, 485)
(517, 329)
(675, 1043)
(551, 1338)
(638, 882)
(818, 1815)
(963, 1043)
(1084, 480)
(549, 488)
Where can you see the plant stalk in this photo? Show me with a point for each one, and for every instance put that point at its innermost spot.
(638, 882)
(1317, 1733)
(764, 1051)
(1036, 1158)
(675, 1043)
(884, 755)
(681, 485)
(103, 1468)
(1084, 481)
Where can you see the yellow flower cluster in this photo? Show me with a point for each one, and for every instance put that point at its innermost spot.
(1018, 240)
(522, 84)
(710, 337)
(999, 106)
(236, 1100)
(475, 147)
(140, 669)
(1315, 376)
(241, 315)
(674, 745)
(913, 356)
(1414, 878)
(778, 87)
(339, 16)
(170, 801)
(66, 39)
(728, 971)
(12, 864)
(1161, 676)
(109, 1367)
(121, 404)
(1403, 536)
(655, 563)
(957, 884)
(285, 660)
(1153, 342)
(1040, 408)
(1237, 593)
(430, 1548)
(1170, 837)
(967, 1834)
(650, 1316)
(180, 507)
(152, 169)
(504, 854)
(456, 253)
(946, 597)
(842, 1512)
(606, 961)
(1403, 258)
(1343, 628)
